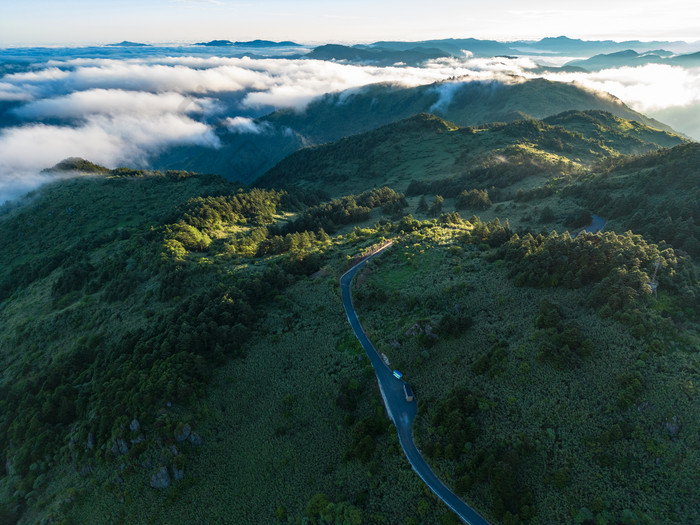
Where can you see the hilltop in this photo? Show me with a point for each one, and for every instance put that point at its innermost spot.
(127, 43)
(466, 102)
(428, 148)
(251, 43)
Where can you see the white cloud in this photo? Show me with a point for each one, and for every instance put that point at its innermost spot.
(246, 125)
(114, 102)
(668, 93)
(268, 82)
(129, 109)
(103, 139)
(12, 93)
(647, 88)
(13, 186)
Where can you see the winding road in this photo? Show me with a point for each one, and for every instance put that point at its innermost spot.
(401, 412)
(597, 225)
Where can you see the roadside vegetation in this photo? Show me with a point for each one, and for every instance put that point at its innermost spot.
(552, 391)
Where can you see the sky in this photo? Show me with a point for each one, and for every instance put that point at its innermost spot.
(84, 22)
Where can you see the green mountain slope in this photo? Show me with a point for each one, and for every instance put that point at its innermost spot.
(426, 148)
(542, 396)
(124, 294)
(548, 374)
(246, 156)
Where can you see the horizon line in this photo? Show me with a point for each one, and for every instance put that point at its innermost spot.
(315, 43)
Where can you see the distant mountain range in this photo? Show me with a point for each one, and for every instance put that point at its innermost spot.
(452, 46)
(378, 56)
(383, 53)
(417, 52)
(631, 58)
(547, 46)
(245, 156)
(575, 47)
(251, 43)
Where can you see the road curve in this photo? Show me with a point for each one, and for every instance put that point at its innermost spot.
(401, 412)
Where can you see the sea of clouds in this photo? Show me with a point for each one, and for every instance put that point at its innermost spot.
(123, 110)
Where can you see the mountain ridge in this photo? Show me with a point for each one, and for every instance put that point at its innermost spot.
(427, 147)
(246, 156)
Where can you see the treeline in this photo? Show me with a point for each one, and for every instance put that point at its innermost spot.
(656, 195)
(498, 171)
(255, 211)
(619, 266)
(211, 213)
(346, 210)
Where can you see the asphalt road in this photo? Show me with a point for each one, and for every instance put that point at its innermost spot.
(401, 412)
(597, 224)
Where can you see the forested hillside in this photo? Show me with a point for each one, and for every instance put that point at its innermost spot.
(147, 318)
(173, 345)
(426, 149)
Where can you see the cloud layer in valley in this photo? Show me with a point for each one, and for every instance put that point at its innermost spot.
(123, 111)
(670, 94)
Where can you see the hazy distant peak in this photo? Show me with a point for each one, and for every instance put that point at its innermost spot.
(250, 43)
(215, 43)
(267, 43)
(126, 43)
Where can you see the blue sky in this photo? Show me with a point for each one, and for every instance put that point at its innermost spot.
(75, 22)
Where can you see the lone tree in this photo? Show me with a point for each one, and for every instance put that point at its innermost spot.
(478, 199)
(422, 205)
(436, 206)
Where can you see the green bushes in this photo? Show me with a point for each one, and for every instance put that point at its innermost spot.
(490, 362)
(504, 468)
(631, 386)
(436, 206)
(655, 195)
(364, 436)
(454, 323)
(346, 210)
(619, 265)
(320, 510)
(475, 199)
(453, 425)
(559, 341)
